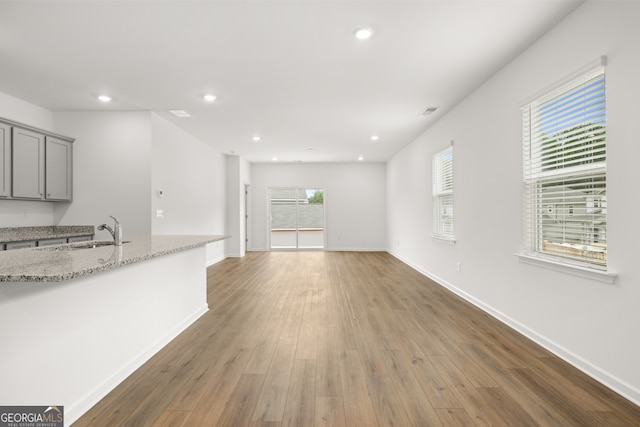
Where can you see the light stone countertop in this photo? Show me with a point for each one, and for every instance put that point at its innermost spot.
(55, 263)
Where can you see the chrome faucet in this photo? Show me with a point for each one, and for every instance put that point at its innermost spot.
(116, 231)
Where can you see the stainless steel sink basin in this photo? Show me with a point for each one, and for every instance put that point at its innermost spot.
(92, 245)
(87, 245)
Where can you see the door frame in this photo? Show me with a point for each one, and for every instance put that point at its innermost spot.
(324, 218)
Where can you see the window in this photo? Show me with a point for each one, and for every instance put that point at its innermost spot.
(565, 197)
(443, 195)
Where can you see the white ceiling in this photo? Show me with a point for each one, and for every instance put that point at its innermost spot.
(289, 71)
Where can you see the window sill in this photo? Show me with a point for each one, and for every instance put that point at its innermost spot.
(575, 270)
(447, 240)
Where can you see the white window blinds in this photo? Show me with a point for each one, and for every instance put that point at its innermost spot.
(443, 194)
(565, 198)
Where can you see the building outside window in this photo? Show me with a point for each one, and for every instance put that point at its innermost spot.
(565, 197)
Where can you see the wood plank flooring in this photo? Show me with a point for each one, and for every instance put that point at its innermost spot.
(350, 339)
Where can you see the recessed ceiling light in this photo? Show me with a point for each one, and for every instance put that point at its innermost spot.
(363, 33)
(180, 113)
(374, 137)
(104, 98)
(275, 159)
(361, 158)
(209, 97)
(256, 138)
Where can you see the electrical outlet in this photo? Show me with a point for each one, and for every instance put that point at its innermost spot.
(459, 266)
(159, 213)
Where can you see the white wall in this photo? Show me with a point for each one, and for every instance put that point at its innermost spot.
(245, 205)
(355, 201)
(591, 324)
(191, 175)
(234, 211)
(111, 171)
(22, 111)
(238, 175)
(14, 213)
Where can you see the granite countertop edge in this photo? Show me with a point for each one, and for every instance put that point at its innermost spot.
(172, 244)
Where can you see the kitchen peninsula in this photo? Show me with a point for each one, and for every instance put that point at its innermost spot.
(76, 320)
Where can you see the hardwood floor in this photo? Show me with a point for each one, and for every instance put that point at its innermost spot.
(350, 339)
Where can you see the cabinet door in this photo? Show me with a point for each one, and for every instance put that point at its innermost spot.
(5, 160)
(58, 169)
(80, 238)
(28, 164)
(21, 245)
(52, 242)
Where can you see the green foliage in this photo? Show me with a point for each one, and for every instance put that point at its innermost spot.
(317, 197)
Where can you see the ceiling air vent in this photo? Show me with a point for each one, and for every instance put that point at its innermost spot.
(180, 113)
(429, 111)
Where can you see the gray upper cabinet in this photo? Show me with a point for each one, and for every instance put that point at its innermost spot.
(5, 160)
(28, 164)
(34, 164)
(58, 169)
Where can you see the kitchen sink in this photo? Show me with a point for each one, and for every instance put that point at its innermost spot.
(92, 245)
(88, 245)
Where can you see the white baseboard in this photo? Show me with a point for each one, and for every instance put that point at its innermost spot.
(329, 250)
(355, 250)
(215, 260)
(611, 381)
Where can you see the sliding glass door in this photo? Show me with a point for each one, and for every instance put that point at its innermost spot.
(296, 218)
